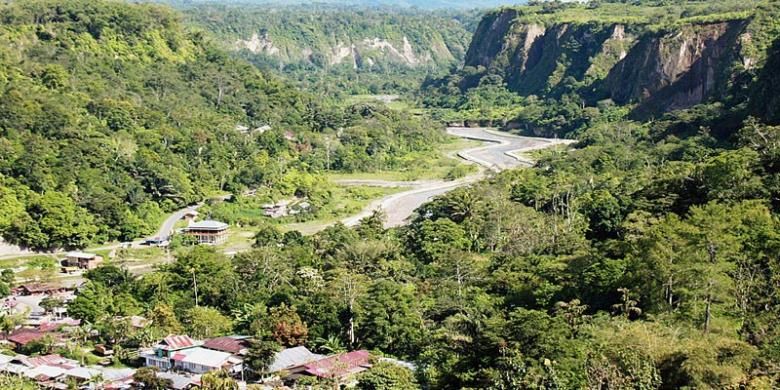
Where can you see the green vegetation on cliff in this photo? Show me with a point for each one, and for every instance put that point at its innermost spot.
(654, 57)
(341, 50)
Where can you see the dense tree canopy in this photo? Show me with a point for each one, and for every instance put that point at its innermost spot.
(113, 114)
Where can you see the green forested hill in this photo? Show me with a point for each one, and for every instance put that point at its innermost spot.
(331, 47)
(111, 114)
(424, 4)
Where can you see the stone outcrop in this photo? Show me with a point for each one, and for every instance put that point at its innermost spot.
(630, 64)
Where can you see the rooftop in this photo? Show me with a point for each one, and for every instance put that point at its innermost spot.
(202, 356)
(177, 381)
(83, 373)
(338, 366)
(25, 336)
(208, 225)
(41, 287)
(230, 344)
(292, 357)
(47, 360)
(175, 342)
(45, 372)
(80, 255)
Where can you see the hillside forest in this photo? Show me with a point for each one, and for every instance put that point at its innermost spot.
(646, 256)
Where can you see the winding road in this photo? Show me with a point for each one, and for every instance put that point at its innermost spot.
(504, 151)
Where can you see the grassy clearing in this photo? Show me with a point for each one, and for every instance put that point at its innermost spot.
(134, 256)
(238, 239)
(26, 261)
(360, 197)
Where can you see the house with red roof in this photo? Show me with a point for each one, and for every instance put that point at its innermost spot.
(161, 355)
(342, 367)
(181, 353)
(23, 336)
(236, 345)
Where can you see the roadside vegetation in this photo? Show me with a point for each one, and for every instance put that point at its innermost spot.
(646, 257)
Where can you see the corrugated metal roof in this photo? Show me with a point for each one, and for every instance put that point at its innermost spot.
(292, 357)
(229, 344)
(340, 365)
(177, 381)
(25, 336)
(205, 357)
(179, 341)
(45, 371)
(208, 225)
(80, 255)
(49, 360)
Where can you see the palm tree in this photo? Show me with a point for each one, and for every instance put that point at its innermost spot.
(83, 332)
(330, 345)
(628, 307)
(218, 380)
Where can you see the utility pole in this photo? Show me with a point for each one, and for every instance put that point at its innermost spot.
(327, 148)
(195, 283)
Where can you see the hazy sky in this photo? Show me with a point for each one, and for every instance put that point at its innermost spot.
(405, 3)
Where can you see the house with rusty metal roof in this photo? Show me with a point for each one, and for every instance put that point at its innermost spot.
(236, 345)
(21, 337)
(342, 367)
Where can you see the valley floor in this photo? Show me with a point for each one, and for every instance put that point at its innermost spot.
(500, 151)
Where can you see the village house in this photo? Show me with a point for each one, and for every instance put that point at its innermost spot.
(161, 355)
(56, 372)
(181, 353)
(81, 260)
(180, 382)
(341, 368)
(235, 345)
(291, 361)
(41, 289)
(208, 232)
(275, 210)
(200, 360)
(21, 337)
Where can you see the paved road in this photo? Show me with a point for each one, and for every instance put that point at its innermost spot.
(165, 231)
(504, 151)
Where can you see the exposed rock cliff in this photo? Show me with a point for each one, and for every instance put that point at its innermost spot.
(678, 69)
(659, 71)
(359, 53)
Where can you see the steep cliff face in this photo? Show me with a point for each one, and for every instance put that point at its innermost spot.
(496, 36)
(678, 69)
(659, 71)
(359, 52)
